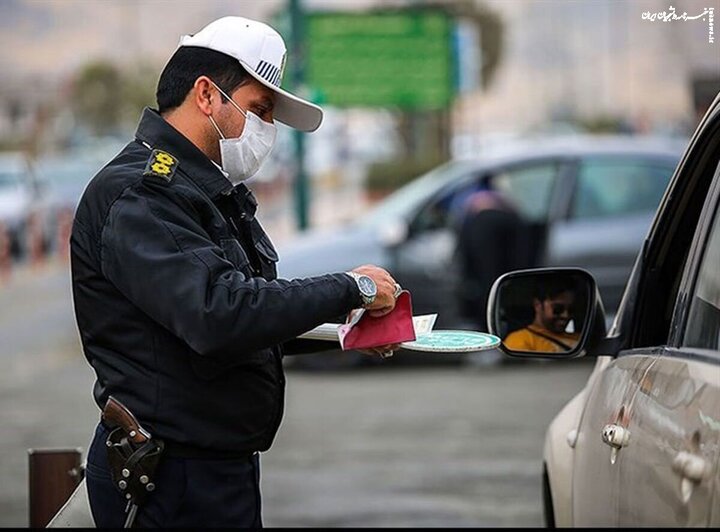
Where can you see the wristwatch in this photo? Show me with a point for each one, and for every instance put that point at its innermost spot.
(367, 287)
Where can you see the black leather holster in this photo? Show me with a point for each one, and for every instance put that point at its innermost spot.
(133, 465)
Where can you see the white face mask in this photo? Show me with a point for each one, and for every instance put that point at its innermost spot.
(242, 157)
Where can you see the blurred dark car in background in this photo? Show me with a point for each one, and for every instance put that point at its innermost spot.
(587, 201)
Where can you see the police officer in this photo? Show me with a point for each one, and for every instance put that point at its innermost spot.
(174, 282)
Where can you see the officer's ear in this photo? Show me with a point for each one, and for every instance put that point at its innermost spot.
(205, 95)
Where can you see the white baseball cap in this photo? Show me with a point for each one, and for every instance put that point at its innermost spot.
(261, 51)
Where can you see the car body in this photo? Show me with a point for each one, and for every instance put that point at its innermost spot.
(559, 186)
(21, 199)
(640, 444)
(64, 177)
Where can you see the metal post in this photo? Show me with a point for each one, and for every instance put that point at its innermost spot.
(301, 185)
(54, 474)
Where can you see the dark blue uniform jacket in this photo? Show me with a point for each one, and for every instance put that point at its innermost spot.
(177, 302)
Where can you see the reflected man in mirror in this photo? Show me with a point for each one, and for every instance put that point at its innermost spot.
(553, 327)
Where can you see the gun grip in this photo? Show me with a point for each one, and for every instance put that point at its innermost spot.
(115, 414)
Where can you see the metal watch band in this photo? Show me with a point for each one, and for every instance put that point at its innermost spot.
(365, 299)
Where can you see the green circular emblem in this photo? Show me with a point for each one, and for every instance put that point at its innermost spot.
(453, 342)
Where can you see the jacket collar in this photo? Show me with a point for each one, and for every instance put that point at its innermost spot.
(155, 131)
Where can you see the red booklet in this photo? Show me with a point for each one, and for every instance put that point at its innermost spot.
(365, 331)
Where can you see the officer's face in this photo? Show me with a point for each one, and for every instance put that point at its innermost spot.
(253, 97)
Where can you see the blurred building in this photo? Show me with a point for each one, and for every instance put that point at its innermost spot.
(568, 61)
(563, 61)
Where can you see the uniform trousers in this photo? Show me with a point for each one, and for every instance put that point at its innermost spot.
(190, 492)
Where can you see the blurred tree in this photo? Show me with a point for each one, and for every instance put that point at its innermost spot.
(491, 40)
(599, 124)
(490, 27)
(108, 100)
(427, 134)
(97, 98)
(138, 91)
(383, 177)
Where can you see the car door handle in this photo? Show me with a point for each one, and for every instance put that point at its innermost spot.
(692, 470)
(691, 466)
(617, 437)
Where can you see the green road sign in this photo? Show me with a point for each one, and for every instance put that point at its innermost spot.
(380, 59)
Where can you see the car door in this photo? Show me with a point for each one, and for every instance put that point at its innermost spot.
(597, 465)
(423, 263)
(671, 462)
(537, 190)
(612, 205)
(426, 263)
(646, 406)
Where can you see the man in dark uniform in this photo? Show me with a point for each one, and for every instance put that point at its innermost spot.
(174, 282)
(492, 240)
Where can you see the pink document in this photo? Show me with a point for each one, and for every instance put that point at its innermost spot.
(364, 331)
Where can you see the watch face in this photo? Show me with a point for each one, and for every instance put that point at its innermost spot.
(367, 286)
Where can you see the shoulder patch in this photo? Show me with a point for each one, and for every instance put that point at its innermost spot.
(161, 164)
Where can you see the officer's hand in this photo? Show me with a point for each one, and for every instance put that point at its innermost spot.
(386, 289)
(384, 351)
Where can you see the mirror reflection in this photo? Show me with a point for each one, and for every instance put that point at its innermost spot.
(542, 313)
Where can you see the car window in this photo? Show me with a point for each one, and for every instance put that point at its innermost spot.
(530, 188)
(608, 188)
(406, 200)
(8, 179)
(666, 256)
(703, 324)
(445, 210)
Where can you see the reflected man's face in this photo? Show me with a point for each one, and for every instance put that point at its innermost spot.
(555, 312)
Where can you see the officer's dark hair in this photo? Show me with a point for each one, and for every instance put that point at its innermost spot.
(186, 65)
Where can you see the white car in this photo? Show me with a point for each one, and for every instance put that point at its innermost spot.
(640, 444)
(18, 198)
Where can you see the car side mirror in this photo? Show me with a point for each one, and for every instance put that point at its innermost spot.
(546, 313)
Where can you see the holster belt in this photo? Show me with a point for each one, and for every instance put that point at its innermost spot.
(181, 450)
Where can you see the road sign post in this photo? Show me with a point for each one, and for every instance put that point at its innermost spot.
(301, 184)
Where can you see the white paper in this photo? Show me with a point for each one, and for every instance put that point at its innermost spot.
(329, 331)
(424, 324)
(326, 331)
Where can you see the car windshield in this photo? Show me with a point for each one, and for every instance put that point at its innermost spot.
(403, 202)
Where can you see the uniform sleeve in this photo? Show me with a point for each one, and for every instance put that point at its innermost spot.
(304, 346)
(157, 254)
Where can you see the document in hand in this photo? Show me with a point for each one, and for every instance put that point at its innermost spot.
(364, 331)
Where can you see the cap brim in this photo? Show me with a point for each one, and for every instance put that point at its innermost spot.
(291, 110)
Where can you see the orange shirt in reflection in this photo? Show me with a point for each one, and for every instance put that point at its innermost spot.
(540, 340)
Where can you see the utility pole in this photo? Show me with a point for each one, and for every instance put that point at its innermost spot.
(301, 185)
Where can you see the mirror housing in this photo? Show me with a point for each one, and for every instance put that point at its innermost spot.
(546, 313)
